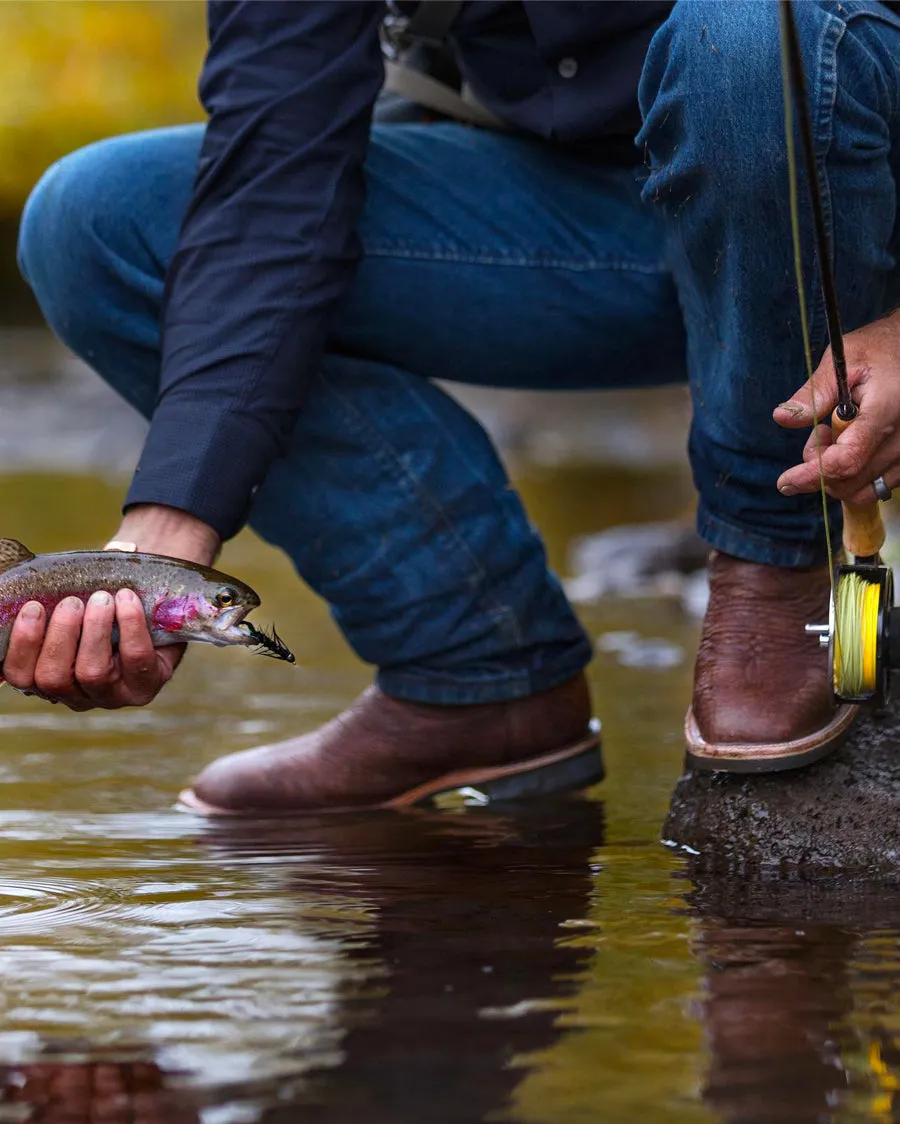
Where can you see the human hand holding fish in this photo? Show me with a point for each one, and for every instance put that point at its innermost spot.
(870, 445)
(107, 629)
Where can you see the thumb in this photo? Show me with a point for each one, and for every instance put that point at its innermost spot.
(813, 401)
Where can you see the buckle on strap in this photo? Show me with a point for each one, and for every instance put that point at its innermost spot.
(393, 32)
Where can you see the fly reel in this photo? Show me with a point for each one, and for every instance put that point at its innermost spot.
(862, 635)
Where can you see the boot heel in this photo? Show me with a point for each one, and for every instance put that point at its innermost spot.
(580, 771)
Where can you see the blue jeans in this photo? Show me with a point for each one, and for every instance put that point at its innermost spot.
(496, 260)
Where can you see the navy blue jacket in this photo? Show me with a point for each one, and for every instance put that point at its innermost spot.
(268, 244)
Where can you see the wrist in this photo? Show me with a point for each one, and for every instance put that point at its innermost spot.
(157, 529)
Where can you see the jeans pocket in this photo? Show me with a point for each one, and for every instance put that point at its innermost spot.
(850, 10)
(875, 29)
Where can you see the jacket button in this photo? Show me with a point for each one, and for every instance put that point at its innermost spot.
(567, 68)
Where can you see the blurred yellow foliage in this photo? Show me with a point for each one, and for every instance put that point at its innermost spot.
(77, 70)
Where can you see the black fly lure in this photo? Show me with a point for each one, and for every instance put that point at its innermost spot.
(269, 643)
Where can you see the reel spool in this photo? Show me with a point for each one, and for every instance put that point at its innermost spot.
(862, 634)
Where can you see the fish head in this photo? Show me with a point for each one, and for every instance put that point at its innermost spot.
(203, 605)
(207, 607)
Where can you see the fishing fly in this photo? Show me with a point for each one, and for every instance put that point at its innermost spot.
(269, 643)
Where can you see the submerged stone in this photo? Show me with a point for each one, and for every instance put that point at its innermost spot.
(841, 814)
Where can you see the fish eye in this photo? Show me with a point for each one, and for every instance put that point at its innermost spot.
(225, 597)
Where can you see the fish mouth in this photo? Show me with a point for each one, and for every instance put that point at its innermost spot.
(227, 627)
(230, 628)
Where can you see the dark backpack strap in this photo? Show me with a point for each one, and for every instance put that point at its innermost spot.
(427, 30)
(423, 90)
(433, 20)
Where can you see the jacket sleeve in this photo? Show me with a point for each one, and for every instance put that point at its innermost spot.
(267, 247)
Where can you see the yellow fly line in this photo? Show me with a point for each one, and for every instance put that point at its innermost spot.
(857, 606)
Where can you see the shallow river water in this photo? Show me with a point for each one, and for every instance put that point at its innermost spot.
(549, 963)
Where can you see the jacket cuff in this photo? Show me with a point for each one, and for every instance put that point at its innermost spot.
(203, 462)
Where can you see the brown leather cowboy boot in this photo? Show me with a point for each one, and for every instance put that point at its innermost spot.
(762, 699)
(386, 753)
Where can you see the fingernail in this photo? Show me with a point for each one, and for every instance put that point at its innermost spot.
(101, 597)
(126, 596)
(788, 490)
(795, 409)
(73, 604)
(32, 610)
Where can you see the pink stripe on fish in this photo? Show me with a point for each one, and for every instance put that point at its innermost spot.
(172, 613)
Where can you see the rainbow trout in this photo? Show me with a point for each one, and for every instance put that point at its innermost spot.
(182, 601)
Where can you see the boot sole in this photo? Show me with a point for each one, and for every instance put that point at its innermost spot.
(570, 769)
(775, 757)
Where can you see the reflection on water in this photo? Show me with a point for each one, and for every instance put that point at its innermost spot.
(61, 1088)
(799, 1007)
(452, 966)
(548, 963)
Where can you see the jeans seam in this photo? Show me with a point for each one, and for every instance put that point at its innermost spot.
(386, 250)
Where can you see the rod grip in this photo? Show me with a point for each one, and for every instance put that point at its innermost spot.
(863, 526)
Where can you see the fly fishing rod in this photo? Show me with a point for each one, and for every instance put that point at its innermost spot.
(863, 630)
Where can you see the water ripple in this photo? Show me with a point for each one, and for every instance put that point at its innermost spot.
(39, 906)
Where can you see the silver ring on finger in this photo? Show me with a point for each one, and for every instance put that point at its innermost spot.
(882, 491)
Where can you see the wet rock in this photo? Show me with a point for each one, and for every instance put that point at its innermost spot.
(839, 815)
